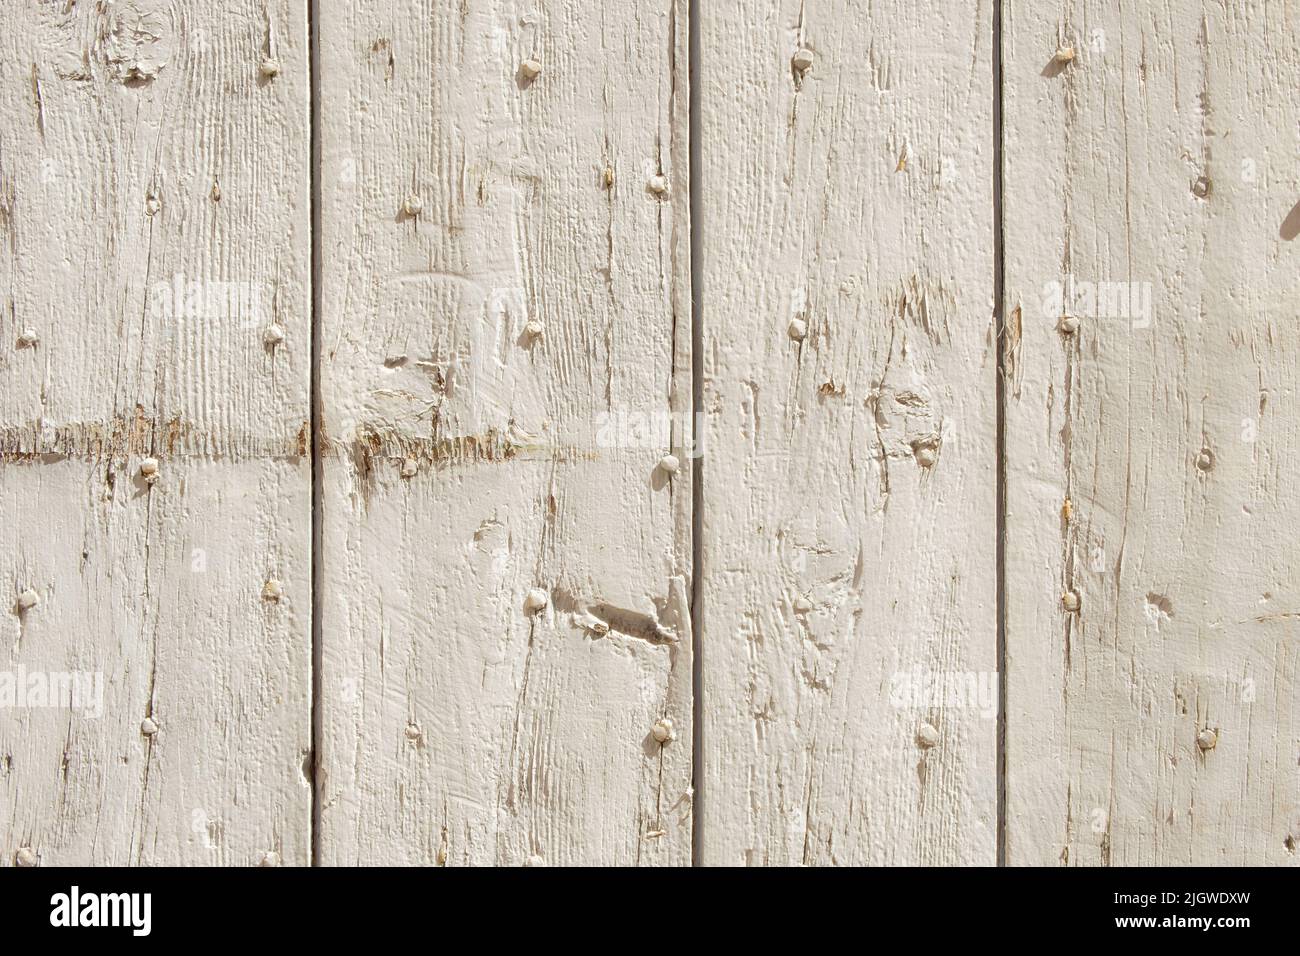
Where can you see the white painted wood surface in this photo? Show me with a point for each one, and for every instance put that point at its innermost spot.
(849, 478)
(1164, 156)
(142, 147)
(468, 458)
(504, 336)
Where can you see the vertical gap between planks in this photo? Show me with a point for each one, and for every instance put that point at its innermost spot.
(697, 407)
(697, 379)
(313, 37)
(999, 312)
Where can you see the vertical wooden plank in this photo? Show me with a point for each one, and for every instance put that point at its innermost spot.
(1151, 201)
(849, 396)
(505, 299)
(154, 221)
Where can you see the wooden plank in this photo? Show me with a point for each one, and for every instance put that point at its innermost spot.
(849, 476)
(1151, 185)
(143, 150)
(469, 458)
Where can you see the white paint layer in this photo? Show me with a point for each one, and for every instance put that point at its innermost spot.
(154, 474)
(506, 299)
(849, 482)
(1151, 213)
(507, 454)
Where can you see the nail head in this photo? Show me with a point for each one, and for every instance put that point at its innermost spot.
(535, 600)
(662, 730)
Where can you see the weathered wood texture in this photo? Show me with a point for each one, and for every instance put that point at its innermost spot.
(849, 477)
(504, 339)
(144, 151)
(1149, 451)
(468, 457)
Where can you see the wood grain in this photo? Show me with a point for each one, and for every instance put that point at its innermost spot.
(849, 476)
(506, 448)
(144, 152)
(1148, 449)
(470, 458)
